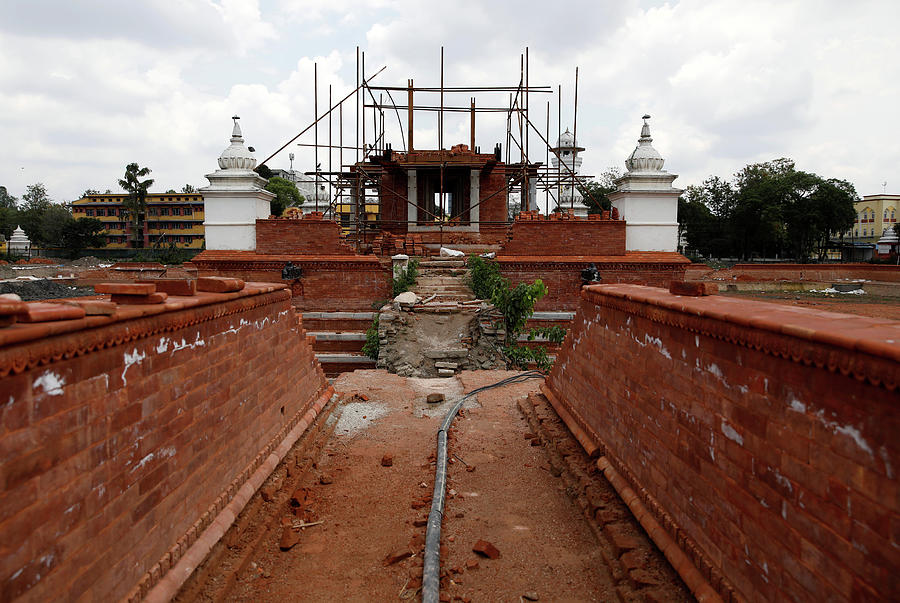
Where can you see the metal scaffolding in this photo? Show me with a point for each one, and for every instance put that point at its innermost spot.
(360, 184)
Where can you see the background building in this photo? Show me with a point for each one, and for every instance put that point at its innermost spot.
(171, 218)
(874, 214)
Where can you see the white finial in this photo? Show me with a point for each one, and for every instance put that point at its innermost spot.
(237, 156)
(236, 131)
(644, 158)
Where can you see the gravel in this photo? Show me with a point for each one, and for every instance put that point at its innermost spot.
(357, 416)
(44, 289)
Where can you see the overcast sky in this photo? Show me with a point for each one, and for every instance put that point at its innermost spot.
(87, 86)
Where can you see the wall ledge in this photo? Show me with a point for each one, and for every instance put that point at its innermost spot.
(867, 348)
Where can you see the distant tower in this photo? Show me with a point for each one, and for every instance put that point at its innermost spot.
(235, 198)
(646, 199)
(567, 149)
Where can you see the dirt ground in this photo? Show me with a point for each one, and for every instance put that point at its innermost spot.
(863, 305)
(501, 490)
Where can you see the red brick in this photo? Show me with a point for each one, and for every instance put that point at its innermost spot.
(174, 286)
(693, 288)
(125, 288)
(219, 284)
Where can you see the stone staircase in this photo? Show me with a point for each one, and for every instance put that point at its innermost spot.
(339, 338)
(443, 280)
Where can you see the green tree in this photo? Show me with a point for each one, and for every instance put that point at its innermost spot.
(81, 234)
(595, 192)
(89, 191)
(7, 201)
(52, 226)
(188, 189)
(135, 204)
(9, 214)
(35, 202)
(264, 171)
(286, 195)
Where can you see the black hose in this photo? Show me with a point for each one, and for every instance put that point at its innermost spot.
(431, 578)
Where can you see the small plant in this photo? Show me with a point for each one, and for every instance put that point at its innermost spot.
(521, 357)
(553, 334)
(517, 305)
(484, 276)
(407, 278)
(370, 348)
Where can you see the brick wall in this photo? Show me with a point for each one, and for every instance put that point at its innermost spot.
(121, 442)
(345, 283)
(492, 195)
(763, 437)
(566, 237)
(562, 275)
(300, 237)
(810, 272)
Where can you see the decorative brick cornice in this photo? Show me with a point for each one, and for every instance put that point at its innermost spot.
(868, 349)
(27, 355)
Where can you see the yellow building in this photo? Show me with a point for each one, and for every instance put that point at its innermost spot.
(171, 218)
(874, 214)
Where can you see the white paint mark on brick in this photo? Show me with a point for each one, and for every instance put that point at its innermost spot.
(696, 341)
(163, 345)
(848, 430)
(712, 445)
(11, 400)
(797, 405)
(176, 346)
(784, 509)
(658, 343)
(134, 357)
(731, 433)
(882, 452)
(783, 481)
(51, 383)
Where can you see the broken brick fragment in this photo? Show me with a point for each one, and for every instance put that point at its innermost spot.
(219, 284)
(126, 299)
(289, 538)
(173, 286)
(125, 288)
(693, 288)
(93, 307)
(46, 312)
(472, 564)
(485, 548)
(387, 460)
(398, 555)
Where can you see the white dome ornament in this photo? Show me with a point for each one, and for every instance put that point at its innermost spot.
(237, 156)
(645, 158)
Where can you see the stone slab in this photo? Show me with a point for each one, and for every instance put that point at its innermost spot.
(453, 353)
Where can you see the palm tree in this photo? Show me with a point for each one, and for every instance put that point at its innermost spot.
(136, 203)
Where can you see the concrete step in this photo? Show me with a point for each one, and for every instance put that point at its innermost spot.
(336, 363)
(440, 279)
(442, 263)
(336, 322)
(338, 342)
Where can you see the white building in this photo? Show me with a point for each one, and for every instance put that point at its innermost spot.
(19, 243)
(314, 194)
(646, 199)
(567, 170)
(235, 198)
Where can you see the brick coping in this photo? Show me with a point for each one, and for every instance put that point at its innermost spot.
(805, 335)
(252, 256)
(632, 257)
(64, 339)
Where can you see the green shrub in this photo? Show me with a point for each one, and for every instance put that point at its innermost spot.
(484, 276)
(370, 348)
(406, 278)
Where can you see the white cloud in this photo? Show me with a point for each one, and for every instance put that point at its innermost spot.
(86, 90)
